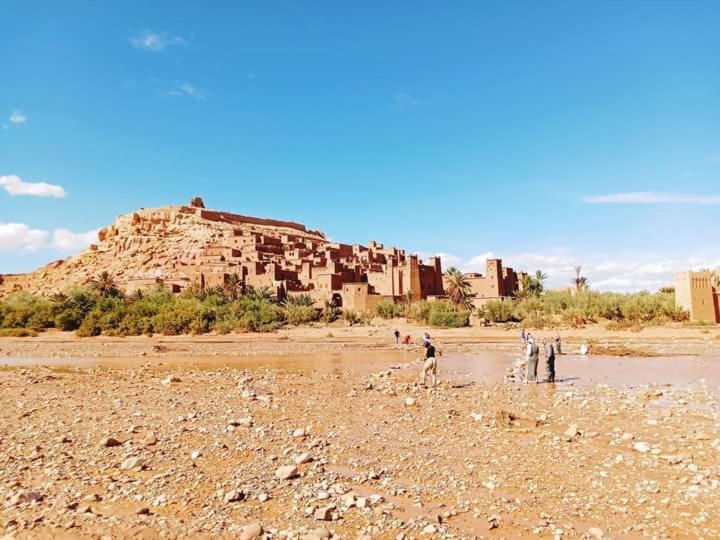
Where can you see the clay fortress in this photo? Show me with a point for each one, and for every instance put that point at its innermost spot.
(179, 246)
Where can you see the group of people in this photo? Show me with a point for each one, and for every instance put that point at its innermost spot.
(532, 352)
(551, 348)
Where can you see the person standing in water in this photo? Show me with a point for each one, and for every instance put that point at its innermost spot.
(396, 333)
(430, 365)
(549, 361)
(523, 337)
(533, 352)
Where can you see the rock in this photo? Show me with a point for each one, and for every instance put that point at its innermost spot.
(171, 379)
(144, 511)
(109, 442)
(641, 447)
(429, 529)
(133, 463)
(234, 495)
(303, 458)
(243, 422)
(196, 454)
(250, 531)
(287, 472)
(324, 514)
(410, 402)
(150, 439)
(572, 432)
(596, 532)
(299, 432)
(320, 533)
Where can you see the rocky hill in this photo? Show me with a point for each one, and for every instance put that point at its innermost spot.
(160, 244)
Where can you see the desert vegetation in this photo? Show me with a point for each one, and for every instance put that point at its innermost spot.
(583, 306)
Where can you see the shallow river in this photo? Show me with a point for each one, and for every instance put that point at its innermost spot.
(487, 367)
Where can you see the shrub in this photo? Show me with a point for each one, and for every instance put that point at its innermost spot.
(351, 317)
(386, 309)
(497, 311)
(420, 311)
(444, 315)
(24, 310)
(17, 332)
(300, 314)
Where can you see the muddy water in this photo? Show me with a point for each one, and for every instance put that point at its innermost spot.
(613, 371)
(487, 367)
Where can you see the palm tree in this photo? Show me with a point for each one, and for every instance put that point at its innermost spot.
(580, 282)
(260, 294)
(104, 285)
(59, 299)
(138, 294)
(299, 300)
(458, 287)
(234, 286)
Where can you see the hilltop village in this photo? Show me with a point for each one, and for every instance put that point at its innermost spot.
(177, 247)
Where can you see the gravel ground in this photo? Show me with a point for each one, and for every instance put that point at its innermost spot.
(350, 453)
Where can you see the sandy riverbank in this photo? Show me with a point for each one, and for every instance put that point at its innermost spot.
(202, 426)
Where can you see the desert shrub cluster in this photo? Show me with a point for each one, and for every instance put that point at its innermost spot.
(564, 308)
(439, 313)
(153, 312)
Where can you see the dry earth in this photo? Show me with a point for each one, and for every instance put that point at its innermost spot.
(152, 449)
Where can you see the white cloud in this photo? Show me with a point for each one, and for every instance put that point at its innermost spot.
(187, 90)
(651, 197)
(15, 185)
(17, 117)
(18, 237)
(156, 42)
(71, 242)
(631, 272)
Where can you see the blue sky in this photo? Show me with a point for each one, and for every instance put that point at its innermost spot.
(549, 134)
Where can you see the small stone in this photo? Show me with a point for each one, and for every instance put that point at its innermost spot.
(323, 514)
(150, 439)
(109, 442)
(641, 447)
(287, 472)
(144, 511)
(410, 402)
(303, 458)
(430, 529)
(196, 454)
(572, 432)
(234, 495)
(171, 379)
(299, 432)
(596, 532)
(133, 463)
(251, 531)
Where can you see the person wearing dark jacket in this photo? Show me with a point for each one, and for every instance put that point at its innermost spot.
(550, 361)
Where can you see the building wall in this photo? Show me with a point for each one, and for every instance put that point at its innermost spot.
(695, 294)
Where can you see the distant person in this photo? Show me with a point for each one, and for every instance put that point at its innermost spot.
(523, 337)
(549, 361)
(533, 353)
(396, 333)
(558, 345)
(430, 365)
(407, 340)
(426, 338)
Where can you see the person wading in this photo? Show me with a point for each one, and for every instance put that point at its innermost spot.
(549, 361)
(430, 365)
(533, 352)
(396, 333)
